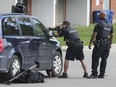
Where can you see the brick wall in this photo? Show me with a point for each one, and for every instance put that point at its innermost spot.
(100, 7)
(94, 7)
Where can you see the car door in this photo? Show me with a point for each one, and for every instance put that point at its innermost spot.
(28, 44)
(45, 48)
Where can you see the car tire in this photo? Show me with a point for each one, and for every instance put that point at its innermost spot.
(15, 67)
(57, 66)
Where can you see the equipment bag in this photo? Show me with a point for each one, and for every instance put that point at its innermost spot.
(31, 76)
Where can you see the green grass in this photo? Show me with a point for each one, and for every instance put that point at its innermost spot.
(85, 34)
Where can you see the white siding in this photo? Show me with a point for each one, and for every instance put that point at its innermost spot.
(78, 12)
(5, 6)
(44, 10)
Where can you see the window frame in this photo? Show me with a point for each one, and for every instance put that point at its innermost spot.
(43, 29)
(3, 26)
(21, 28)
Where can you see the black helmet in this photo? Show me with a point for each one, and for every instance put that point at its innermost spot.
(19, 4)
(67, 23)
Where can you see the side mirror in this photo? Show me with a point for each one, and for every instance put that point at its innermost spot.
(51, 33)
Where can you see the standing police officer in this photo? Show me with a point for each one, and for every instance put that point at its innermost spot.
(102, 39)
(75, 47)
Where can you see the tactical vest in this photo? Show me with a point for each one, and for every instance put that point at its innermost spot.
(71, 34)
(105, 29)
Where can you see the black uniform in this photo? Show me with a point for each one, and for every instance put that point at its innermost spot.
(75, 46)
(101, 48)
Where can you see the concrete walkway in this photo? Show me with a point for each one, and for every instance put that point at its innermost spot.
(75, 71)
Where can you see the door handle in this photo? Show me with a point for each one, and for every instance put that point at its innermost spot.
(38, 42)
(43, 43)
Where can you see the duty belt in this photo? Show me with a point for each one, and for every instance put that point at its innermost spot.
(103, 39)
(77, 40)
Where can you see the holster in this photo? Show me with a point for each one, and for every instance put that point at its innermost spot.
(97, 43)
(73, 43)
(68, 43)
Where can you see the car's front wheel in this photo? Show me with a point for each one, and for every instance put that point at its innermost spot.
(57, 65)
(15, 67)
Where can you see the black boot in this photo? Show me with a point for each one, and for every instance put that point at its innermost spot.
(64, 75)
(92, 76)
(101, 76)
(85, 75)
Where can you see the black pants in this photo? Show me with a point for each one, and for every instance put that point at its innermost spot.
(101, 51)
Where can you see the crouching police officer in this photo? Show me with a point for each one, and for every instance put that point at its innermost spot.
(75, 47)
(102, 39)
(19, 8)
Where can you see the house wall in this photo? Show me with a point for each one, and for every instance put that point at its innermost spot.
(60, 11)
(95, 6)
(113, 7)
(5, 6)
(44, 10)
(77, 12)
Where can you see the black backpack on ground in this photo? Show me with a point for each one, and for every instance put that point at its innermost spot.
(31, 76)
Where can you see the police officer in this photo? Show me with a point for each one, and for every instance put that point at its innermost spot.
(102, 39)
(19, 8)
(75, 47)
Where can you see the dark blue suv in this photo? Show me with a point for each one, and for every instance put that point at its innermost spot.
(24, 40)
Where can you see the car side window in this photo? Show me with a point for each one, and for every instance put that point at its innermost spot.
(26, 26)
(10, 26)
(39, 28)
